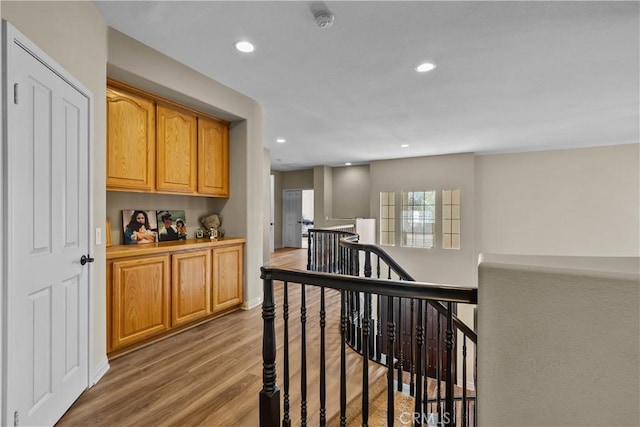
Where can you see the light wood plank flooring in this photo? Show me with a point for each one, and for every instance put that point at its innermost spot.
(211, 375)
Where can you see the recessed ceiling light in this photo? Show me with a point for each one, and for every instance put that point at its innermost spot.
(245, 46)
(424, 67)
(404, 145)
(281, 140)
(348, 164)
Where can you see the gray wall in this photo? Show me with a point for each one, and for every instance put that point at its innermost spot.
(297, 180)
(351, 192)
(456, 267)
(565, 202)
(193, 207)
(559, 341)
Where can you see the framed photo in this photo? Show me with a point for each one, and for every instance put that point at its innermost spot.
(139, 226)
(172, 225)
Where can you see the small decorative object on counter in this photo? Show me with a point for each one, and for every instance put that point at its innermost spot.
(212, 222)
(213, 234)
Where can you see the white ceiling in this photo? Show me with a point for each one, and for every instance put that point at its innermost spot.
(510, 76)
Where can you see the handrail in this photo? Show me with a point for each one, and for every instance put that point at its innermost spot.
(351, 242)
(386, 287)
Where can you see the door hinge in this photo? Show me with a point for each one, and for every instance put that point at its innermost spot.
(15, 93)
(16, 419)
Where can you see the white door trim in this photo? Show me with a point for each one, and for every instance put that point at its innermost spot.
(10, 38)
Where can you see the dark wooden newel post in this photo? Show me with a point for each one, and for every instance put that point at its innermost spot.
(270, 394)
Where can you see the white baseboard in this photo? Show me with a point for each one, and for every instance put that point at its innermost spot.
(99, 372)
(248, 305)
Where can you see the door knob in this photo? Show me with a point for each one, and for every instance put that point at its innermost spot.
(85, 259)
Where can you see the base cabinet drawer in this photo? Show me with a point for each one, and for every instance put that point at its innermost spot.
(140, 301)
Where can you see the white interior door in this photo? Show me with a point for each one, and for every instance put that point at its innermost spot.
(48, 231)
(292, 218)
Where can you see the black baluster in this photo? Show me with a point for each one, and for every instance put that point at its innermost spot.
(323, 387)
(365, 360)
(391, 336)
(286, 421)
(358, 319)
(475, 384)
(367, 264)
(418, 357)
(309, 253)
(400, 346)
(412, 358)
(303, 357)
(379, 329)
(270, 395)
(464, 380)
(438, 368)
(343, 358)
(451, 379)
(426, 358)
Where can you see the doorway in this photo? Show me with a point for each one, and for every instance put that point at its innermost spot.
(46, 337)
(297, 217)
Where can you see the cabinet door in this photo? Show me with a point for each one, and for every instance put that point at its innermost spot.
(131, 140)
(227, 277)
(190, 286)
(177, 151)
(140, 304)
(213, 158)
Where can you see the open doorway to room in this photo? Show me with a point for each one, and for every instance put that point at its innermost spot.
(297, 217)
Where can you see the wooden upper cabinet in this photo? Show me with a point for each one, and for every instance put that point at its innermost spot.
(131, 141)
(213, 157)
(176, 150)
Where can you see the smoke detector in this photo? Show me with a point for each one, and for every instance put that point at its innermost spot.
(324, 19)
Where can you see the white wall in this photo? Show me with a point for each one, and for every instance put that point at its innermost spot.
(307, 204)
(75, 36)
(559, 341)
(565, 202)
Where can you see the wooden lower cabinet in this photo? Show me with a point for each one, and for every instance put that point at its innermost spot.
(140, 302)
(190, 286)
(227, 277)
(157, 289)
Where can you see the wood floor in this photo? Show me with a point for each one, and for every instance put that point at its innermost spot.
(211, 375)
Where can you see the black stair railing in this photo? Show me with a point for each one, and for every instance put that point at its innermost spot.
(423, 342)
(391, 289)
